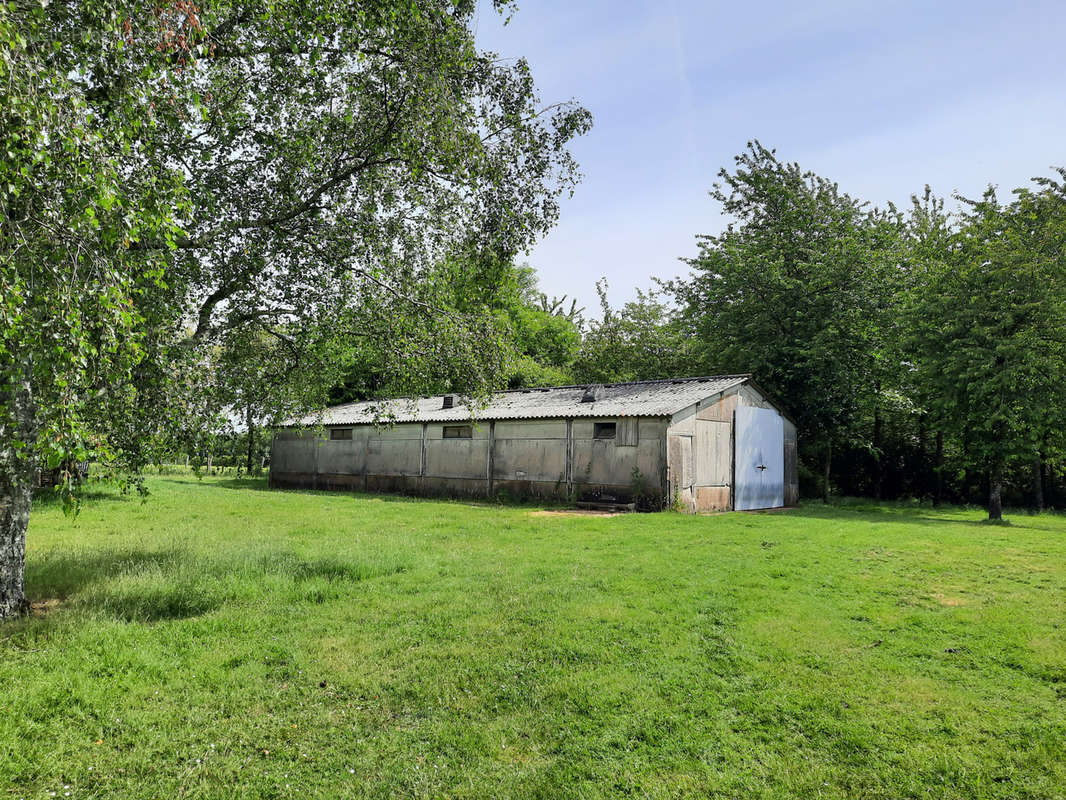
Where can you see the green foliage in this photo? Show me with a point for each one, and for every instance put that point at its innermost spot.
(226, 640)
(795, 291)
(213, 209)
(643, 340)
(987, 323)
(80, 189)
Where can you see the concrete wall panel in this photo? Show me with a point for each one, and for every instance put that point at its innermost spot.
(530, 459)
(296, 454)
(531, 429)
(394, 457)
(457, 458)
(342, 457)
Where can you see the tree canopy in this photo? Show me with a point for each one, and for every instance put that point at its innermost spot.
(185, 184)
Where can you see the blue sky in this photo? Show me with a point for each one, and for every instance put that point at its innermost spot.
(881, 97)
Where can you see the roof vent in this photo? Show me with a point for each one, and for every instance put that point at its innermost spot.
(592, 393)
(449, 401)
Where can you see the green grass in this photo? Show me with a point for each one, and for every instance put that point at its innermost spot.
(225, 641)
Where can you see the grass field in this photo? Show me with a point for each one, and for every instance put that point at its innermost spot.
(226, 641)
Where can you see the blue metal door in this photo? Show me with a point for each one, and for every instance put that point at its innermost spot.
(759, 458)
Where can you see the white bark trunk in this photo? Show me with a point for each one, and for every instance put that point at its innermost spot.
(18, 468)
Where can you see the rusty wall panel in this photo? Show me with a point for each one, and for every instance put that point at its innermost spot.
(713, 456)
(673, 464)
(627, 432)
(685, 499)
(680, 461)
(720, 410)
(711, 498)
(683, 423)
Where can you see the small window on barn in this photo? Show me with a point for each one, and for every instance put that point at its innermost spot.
(340, 434)
(458, 432)
(603, 430)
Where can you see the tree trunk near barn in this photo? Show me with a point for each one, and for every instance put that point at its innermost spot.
(18, 468)
(995, 493)
(825, 477)
(939, 496)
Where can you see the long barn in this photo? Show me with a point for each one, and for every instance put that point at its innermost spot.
(701, 444)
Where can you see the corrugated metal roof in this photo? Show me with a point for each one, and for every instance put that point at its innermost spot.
(637, 399)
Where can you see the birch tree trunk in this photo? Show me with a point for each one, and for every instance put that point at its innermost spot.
(18, 468)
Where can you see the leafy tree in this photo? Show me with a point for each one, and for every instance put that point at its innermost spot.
(184, 182)
(988, 328)
(796, 291)
(642, 340)
(78, 190)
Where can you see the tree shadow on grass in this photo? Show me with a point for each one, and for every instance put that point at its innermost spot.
(49, 498)
(873, 514)
(245, 484)
(130, 585)
(261, 485)
(60, 574)
(156, 585)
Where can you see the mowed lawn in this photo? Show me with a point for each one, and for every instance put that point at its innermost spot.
(222, 640)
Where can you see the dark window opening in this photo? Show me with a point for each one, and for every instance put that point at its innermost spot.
(603, 430)
(458, 432)
(340, 434)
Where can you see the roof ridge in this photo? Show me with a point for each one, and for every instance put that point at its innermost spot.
(626, 383)
(530, 389)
